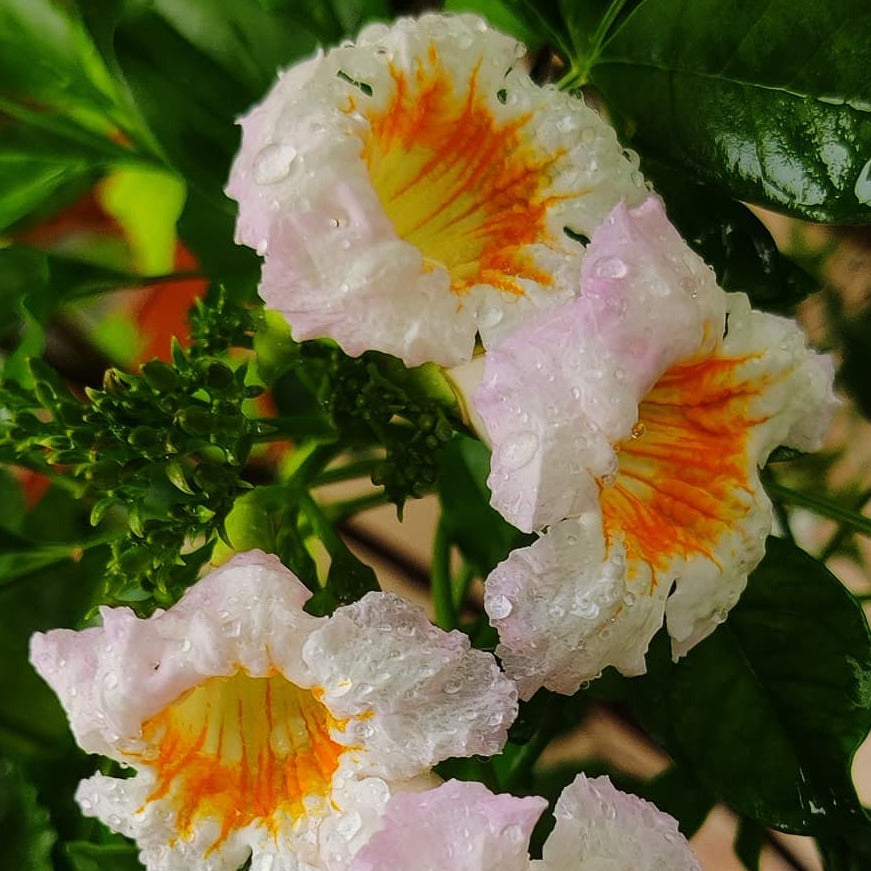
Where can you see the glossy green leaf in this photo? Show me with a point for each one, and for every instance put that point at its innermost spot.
(768, 711)
(770, 102)
(189, 102)
(731, 239)
(32, 723)
(479, 531)
(678, 793)
(26, 835)
(330, 20)
(748, 843)
(46, 55)
(27, 183)
(84, 856)
(246, 40)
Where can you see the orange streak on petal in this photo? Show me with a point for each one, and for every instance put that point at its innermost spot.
(682, 483)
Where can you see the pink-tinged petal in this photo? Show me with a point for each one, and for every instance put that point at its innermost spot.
(413, 188)
(561, 391)
(599, 827)
(645, 408)
(238, 745)
(564, 609)
(459, 826)
(418, 696)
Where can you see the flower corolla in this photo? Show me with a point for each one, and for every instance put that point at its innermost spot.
(416, 188)
(630, 424)
(257, 730)
(462, 826)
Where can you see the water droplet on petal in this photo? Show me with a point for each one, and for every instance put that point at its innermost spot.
(518, 450)
(273, 162)
(610, 267)
(638, 430)
(500, 607)
(862, 188)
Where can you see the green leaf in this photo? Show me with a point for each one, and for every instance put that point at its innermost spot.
(731, 239)
(482, 535)
(330, 20)
(768, 711)
(748, 843)
(28, 182)
(84, 856)
(32, 723)
(26, 835)
(46, 55)
(769, 102)
(189, 102)
(678, 793)
(246, 40)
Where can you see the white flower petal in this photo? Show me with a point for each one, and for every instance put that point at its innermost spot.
(645, 408)
(418, 696)
(238, 746)
(459, 826)
(565, 609)
(599, 828)
(413, 188)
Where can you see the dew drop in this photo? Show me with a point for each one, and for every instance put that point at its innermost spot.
(186, 645)
(273, 162)
(518, 450)
(453, 686)
(500, 607)
(638, 430)
(862, 189)
(610, 267)
(349, 825)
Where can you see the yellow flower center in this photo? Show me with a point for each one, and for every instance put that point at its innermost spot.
(464, 189)
(238, 749)
(682, 482)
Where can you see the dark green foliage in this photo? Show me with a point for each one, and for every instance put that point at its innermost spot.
(167, 447)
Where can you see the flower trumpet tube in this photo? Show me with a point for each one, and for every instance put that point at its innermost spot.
(630, 424)
(416, 188)
(258, 730)
(462, 826)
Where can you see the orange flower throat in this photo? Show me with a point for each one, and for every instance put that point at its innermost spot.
(458, 185)
(239, 749)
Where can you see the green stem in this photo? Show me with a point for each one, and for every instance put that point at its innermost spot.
(445, 614)
(857, 522)
(779, 508)
(348, 472)
(338, 512)
(527, 756)
(842, 531)
(320, 524)
(461, 584)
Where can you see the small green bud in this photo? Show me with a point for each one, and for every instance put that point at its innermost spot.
(196, 420)
(219, 377)
(145, 437)
(160, 376)
(104, 474)
(115, 382)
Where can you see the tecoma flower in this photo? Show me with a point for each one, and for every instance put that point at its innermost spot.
(630, 425)
(462, 826)
(257, 729)
(414, 188)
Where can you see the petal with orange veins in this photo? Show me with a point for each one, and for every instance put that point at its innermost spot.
(413, 189)
(650, 404)
(256, 729)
